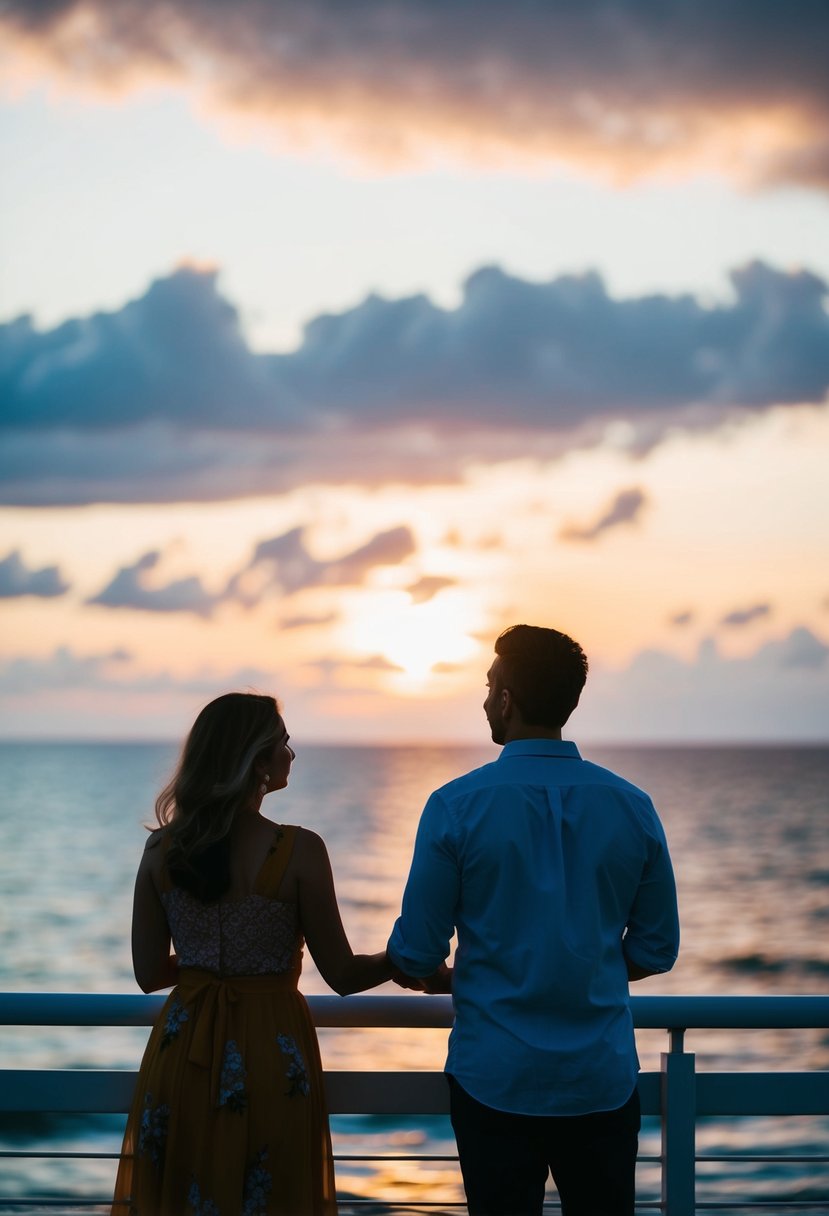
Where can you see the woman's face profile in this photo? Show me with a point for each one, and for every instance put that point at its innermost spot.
(281, 759)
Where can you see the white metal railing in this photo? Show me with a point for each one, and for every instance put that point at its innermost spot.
(678, 1094)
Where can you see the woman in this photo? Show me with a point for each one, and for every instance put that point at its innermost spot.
(229, 1112)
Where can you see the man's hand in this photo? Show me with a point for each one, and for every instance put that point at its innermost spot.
(409, 981)
(439, 981)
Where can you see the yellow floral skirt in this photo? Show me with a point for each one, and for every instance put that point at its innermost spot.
(229, 1116)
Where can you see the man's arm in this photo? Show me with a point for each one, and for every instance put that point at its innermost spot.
(635, 972)
(651, 941)
(419, 944)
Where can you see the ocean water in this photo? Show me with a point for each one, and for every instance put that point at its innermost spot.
(749, 834)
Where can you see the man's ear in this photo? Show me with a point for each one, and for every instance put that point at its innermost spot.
(507, 703)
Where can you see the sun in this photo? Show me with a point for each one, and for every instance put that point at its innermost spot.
(415, 638)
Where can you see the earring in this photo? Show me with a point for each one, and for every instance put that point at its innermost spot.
(263, 788)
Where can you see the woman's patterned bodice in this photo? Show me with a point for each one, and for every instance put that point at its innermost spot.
(251, 935)
(254, 935)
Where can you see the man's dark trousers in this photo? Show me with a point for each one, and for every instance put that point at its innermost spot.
(505, 1158)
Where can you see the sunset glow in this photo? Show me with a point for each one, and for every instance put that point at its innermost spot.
(315, 378)
(416, 639)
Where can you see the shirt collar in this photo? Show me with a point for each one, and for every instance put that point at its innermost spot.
(561, 748)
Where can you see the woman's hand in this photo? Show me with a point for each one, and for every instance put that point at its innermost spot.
(439, 981)
(408, 981)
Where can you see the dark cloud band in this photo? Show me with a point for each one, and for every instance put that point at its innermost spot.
(164, 400)
(620, 87)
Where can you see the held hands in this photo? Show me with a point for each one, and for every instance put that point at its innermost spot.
(439, 981)
(408, 981)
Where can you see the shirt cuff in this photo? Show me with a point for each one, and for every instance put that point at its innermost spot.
(411, 962)
(658, 961)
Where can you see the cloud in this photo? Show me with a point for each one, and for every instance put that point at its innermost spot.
(65, 669)
(614, 88)
(625, 509)
(307, 621)
(176, 352)
(681, 619)
(105, 695)
(286, 562)
(16, 579)
(801, 649)
(377, 662)
(280, 562)
(128, 589)
(781, 691)
(164, 401)
(427, 587)
(744, 616)
(329, 668)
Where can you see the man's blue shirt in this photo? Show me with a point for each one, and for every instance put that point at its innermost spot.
(543, 862)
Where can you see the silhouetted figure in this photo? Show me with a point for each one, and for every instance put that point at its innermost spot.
(229, 1113)
(557, 877)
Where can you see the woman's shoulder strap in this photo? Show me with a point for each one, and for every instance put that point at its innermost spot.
(276, 862)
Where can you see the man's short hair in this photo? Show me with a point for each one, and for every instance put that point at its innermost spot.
(544, 670)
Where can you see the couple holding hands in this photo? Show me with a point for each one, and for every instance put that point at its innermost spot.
(556, 876)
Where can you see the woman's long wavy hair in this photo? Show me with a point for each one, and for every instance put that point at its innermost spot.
(216, 777)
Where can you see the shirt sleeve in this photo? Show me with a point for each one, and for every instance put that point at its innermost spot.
(420, 939)
(652, 937)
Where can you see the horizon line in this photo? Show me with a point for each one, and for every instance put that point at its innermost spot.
(451, 744)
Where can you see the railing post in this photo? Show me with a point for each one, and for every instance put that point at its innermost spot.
(678, 1103)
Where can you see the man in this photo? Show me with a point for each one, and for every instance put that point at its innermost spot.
(557, 877)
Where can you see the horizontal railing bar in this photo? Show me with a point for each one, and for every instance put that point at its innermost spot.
(778, 1158)
(344, 1203)
(67, 1091)
(52, 1201)
(740, 1205)
(396, 1157)
(57, 1154)
(762, 1093)
(416, 1092)
(649, 1012)
(730, 1012)
(642, 1158)
(48, 1154)
(99, 1091)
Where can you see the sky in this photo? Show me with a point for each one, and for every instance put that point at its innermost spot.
(336, 338)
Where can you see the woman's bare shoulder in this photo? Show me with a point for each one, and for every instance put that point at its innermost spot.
(152, 859)
(154, 838)
(303, 837)
(309, 847)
